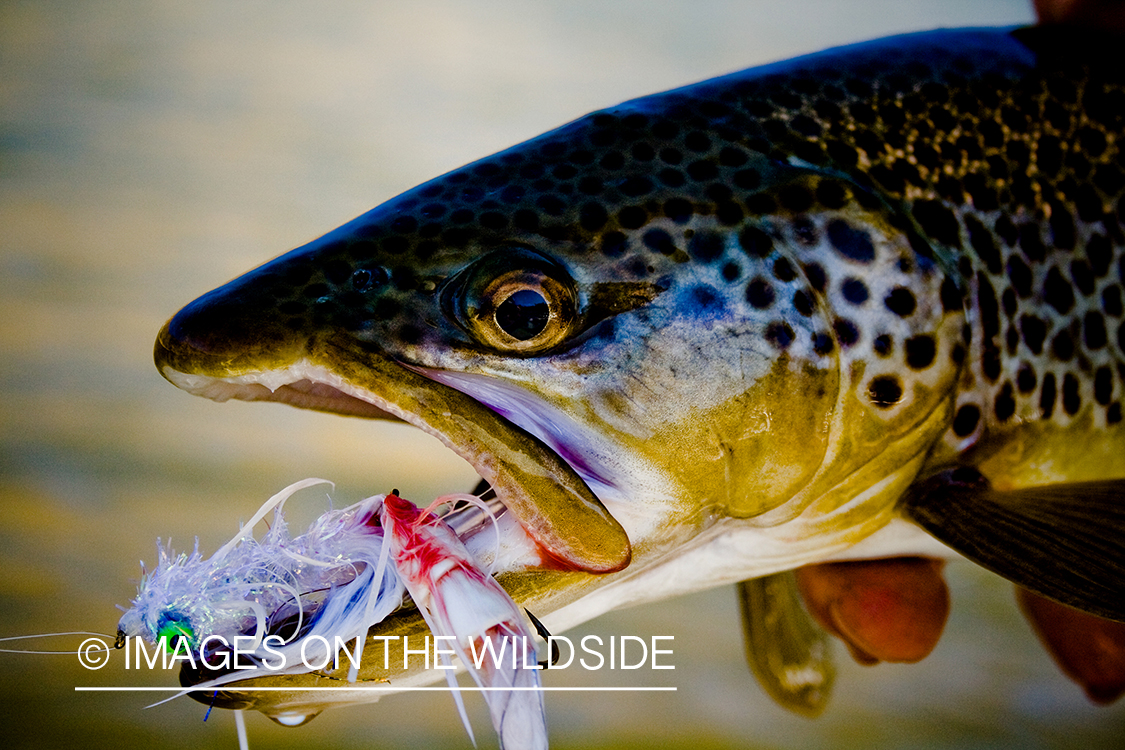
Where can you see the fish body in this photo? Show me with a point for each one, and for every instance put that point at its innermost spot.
(745, 325)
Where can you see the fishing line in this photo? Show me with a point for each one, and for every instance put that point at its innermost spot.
(53, 635)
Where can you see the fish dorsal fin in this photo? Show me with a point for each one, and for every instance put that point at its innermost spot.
(1065, 542)
(788, 652)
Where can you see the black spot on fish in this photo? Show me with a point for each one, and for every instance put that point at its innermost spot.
(513, 194)
(1048, 155)
(989, 309)
(731, 271)
(822, 343)
(761, 204)
(659, 241)
(1006, 230)
(1103, 385)
(462, 216)
(672, 178)
(1025, 379)
(795, 198)
(747, 179)
(528, 221)
(1088, 203)
(718, 192)
(851, 242)
(780, 334)
(729, 213)
(592, 216)
(613, 244)
(831, 194)
(493, 220)
(854, 291)
(679, 210)
(990, 362)
(1019, 273)
(612, 161)
(1093, 330)
(783, 270)
(901, 302)
(1032, 243)
(1111, 301)
(846, 332)
(313, 291)
(805, 231)
(1062, 227)
(732, 157)
(632, 217)
(1004, 406)
(1047, 396)
(551, 205)
(590, 185)
(1062, 346)
(394, 245)
(815, 274)
(966, 420)
(803, 302)
(884, 391)
(920, 351)
(883, 345)
(702, 171)
(1070, 399)
(887, 178)
(643, 152)
(755, 242)
(759, 293)
(950, 296)
(1083, 277)
(1113, 413)
(841, 153)
(706, 297)
(697, 142)
(671, 156)
(1034, 332)
(404, 224)
(705, 246)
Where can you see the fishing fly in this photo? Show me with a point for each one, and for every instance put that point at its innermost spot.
(279, 603)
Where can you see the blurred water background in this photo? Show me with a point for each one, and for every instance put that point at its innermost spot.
(150, 151)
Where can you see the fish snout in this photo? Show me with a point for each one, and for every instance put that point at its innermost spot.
(259, 321)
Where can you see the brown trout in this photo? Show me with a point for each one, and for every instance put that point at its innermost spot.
(787, 315)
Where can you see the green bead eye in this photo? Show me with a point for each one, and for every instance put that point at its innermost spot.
(172, 630)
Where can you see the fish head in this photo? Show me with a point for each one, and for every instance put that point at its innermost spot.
(638, 328)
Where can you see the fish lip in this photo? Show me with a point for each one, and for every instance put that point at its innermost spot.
(336, 373)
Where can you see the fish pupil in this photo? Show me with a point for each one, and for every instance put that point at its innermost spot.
(523, 315)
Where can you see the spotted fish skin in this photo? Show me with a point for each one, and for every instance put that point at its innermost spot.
(778, 297)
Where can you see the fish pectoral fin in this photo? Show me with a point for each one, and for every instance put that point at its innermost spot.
(1065, 542)
(788, 652)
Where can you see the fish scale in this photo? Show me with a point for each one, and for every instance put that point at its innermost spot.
(738, 327)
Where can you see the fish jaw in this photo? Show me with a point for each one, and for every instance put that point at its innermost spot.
(538, 487)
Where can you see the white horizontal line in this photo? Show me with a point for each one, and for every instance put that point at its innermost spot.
(362, 688)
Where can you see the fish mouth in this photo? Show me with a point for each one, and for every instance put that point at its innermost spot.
(539, 481)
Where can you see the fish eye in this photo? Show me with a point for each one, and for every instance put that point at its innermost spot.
(514, 300)
(524, 315)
